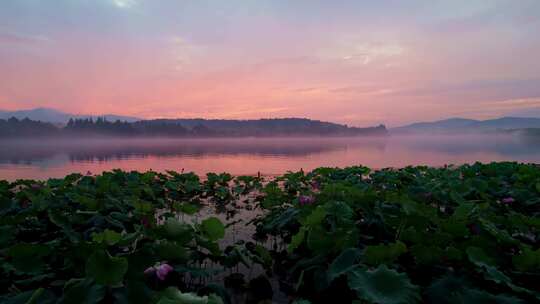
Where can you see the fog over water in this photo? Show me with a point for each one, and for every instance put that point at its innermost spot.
(43, 159)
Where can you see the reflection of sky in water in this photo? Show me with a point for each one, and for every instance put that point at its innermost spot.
(39, 159)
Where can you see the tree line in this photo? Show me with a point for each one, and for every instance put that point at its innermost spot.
(14, 127)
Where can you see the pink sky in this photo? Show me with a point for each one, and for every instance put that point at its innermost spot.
(348, 62)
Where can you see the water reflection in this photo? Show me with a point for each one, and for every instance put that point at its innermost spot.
(28, 152)
(43, 159)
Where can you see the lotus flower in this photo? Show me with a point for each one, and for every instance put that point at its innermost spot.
(306, 200)
(160, 270)
(150, 270)
(508, 200)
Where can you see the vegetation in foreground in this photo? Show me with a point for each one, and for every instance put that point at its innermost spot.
(467, 234)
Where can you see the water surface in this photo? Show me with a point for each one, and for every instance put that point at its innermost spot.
(41, 159)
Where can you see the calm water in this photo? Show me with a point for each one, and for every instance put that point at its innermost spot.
(43, 159)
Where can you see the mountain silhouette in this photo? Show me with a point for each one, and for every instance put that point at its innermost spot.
(58, 117)
(462, 125)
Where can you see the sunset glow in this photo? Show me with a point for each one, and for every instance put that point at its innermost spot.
(355, 62)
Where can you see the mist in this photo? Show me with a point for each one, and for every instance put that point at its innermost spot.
(41, 158)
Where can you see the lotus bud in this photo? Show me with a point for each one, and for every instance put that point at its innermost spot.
(508, 200)
(162, 271)
(306, 200)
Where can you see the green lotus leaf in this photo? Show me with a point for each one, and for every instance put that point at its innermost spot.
(410, 234)
(106, 270)
(264, 255)
(83, 291)
(479, 257)
(143, 207)
(383, 285)
(493, 274)
(176, 230)
(456, 197)
(384, 253)
(186, 208)
(497, 276)
(342, 213)
(297, 239)
(29, 257)
(211, 246)
(171, 251)
(411, 207)
(172, 295)
(108, 237)
(316, 217)
(527, 260)
(343, 263)
(213, 229)
(320, 241)
(473, 296)
(424, 254)
(456, 228)
(479, 185)
(38, 296)
(7, 234)
(282, 220)
(501, 235)
(443, 289)
(274, 196)
(463, 211)
(452, 253)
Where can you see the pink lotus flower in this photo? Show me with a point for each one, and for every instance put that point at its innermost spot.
(160, 270)
(150, 270)
(508, 200)
(306, 200)
(163, 270)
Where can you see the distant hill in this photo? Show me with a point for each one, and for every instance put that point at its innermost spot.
(193, 128)
(462, 125)
(271, 127)
(58, 117)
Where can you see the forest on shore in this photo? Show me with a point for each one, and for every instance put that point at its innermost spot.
(17, 128)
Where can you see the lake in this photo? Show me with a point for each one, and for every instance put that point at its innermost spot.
(44, 158)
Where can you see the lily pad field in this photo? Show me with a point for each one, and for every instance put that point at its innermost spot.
(453, 234)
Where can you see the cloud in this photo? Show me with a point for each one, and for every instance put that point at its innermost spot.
(364, 90)
(515, 103)
(17, 38)
(491, 109)
(251, 112)
(210, 112)
(362, 53)
(490, 89)
(367, 53)
(124, 3)
(185, 54)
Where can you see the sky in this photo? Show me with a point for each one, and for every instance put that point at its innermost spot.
(356, 62)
